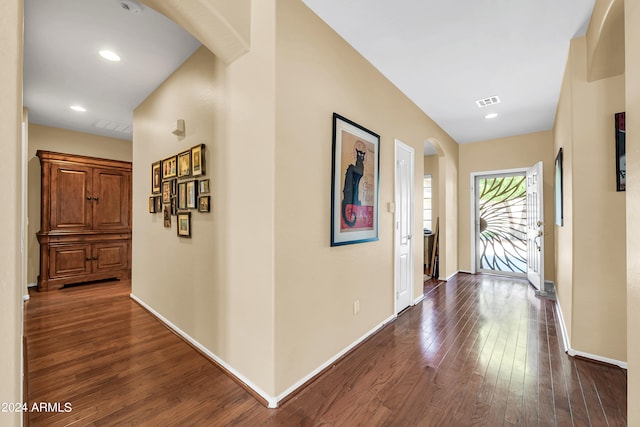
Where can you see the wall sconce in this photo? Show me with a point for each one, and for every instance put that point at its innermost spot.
(179, 131)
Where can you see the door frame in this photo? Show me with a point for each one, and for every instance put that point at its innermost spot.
(475, 224)
(398, 143)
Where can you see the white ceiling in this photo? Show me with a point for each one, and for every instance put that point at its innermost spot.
(62, 66)
(444, 55)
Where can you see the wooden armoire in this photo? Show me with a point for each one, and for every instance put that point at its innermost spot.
(85, 219)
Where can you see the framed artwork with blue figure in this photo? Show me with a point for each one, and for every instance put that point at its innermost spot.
(355, 205)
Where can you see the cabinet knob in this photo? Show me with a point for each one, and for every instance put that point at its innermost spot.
(87, 259)
(95, 258)
(96, 199)
(89, 198)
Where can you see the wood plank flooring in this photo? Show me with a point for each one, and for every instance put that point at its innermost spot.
(479, 350)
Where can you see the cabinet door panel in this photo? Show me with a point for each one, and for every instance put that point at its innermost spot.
(69, 260)
(111, 199)
(70, 197)
(110, 256)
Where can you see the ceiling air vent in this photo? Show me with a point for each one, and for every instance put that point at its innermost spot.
(113, 126)
(131, 6)
(488, 101)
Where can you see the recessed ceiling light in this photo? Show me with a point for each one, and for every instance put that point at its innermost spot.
(491, 116)
(107, 54)
(78, 108)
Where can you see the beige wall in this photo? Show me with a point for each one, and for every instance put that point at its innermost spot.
(591, 252)
(516, 152)
(632, 46)
(61, 141)
(11, 12)
(563, 138)
(317, 74)
(599, 223)
(217, 286)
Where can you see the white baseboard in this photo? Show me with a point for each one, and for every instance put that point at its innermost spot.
(271, 401)
(25, 297)
(563, 327)
(336, 357)
(446, 279)
(597, 358)
(572, 352)
(465, 271)
(32, 285)
(417, 300)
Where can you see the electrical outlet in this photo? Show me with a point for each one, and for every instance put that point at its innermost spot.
(356, 307)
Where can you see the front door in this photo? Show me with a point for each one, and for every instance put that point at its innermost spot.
(535, 227)
(404, 225)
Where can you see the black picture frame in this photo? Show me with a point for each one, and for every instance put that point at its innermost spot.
(198, 160)
(182, 195)
(192, 194)
(204, 204)
(156, 178)
(558, 190)
(167, 216)
(355, 183)
(184, 224)
(621, 152)
(169, 167)
(152, 204)
(166, 191)
(184, 164)
(203, 186)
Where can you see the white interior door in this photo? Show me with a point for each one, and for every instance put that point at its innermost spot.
(404, 199)
(535, 227)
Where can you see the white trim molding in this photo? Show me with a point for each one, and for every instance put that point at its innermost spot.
(25, 298)
(449, 277)
(336, 357)
(271, 401)
(418, 300)
(572, 352)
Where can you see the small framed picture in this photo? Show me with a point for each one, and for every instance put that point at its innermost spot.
(204, 186)
(174, 206)
(152, 204)
(204, 204)
(169, 167)
(182, 195)
(174, 187)
(184, 224)
(158, 203)
(184, 164)
(166, 191)
(156, 178)
(192, 194)
(167, 216)
(197, 160)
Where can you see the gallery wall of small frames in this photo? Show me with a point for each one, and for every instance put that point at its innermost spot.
(178, 186)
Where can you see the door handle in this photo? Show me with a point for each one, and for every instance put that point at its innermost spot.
(539, 223)
(409, 236)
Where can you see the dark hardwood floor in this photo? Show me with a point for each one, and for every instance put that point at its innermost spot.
(479, 350)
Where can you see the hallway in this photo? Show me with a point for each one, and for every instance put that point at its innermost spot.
(478, 350)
